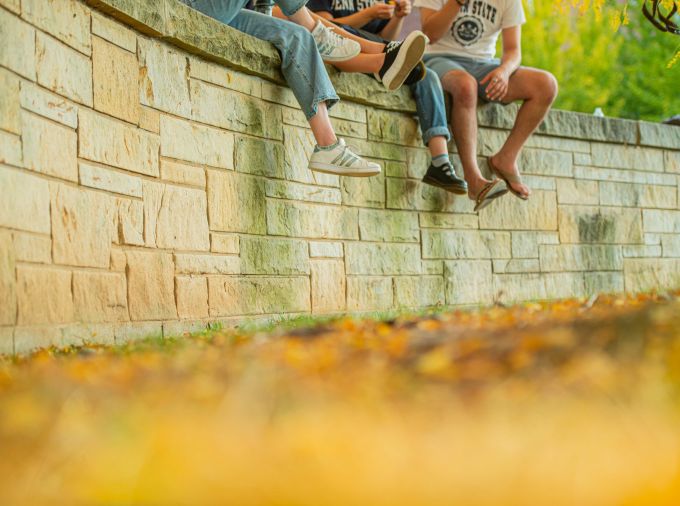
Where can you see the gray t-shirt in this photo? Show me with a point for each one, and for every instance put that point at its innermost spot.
(476, 28)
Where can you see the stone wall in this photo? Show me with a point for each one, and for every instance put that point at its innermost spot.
(153, 180)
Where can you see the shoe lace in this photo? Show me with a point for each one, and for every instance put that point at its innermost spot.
(352, 152)
(392, 46)
(332, 38)
(348, 155)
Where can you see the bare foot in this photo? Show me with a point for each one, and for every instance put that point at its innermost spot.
(511, 174)
(476, 186)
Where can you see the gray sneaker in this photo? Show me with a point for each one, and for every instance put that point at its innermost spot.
(342, 161)
(333, 47)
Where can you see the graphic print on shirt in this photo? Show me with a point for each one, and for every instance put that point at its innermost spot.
(468, 27)
(352, 5)
(345, 8)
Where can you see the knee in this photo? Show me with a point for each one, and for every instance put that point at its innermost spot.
(429, 83)
(463, 88)
(431, 79)
(547, 88)
(297, 38)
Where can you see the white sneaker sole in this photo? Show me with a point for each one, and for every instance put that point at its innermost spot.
(409, 55)
(337, 58)
(329, 168)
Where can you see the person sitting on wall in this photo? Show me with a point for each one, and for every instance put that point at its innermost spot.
(303, 46)
(463, 36)
(392, 65)
(373, 20)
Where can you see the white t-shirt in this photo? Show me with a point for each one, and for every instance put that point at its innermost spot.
(476, 28)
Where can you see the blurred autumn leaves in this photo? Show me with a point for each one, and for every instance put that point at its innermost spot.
(573, 402)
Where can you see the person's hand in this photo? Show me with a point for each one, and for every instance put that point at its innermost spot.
(497, 86)
(403, 8)
(381, 10)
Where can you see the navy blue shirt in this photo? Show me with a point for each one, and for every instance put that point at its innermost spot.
(344, 8)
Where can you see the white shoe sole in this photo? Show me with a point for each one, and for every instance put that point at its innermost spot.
(409, 55)
(329, 168)
(355, 53)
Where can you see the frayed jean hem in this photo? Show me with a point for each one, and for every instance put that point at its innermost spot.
(311, 111)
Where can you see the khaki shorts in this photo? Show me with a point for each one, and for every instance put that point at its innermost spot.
(441, 64)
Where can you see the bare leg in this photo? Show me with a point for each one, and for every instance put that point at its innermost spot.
(367, 46)
(308, 19)
(463, 89)
(304, 18)
(538, 89)
(364, 63)
(321, 126)
(437, 146)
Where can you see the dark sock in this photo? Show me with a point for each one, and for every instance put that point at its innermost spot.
(440, 160)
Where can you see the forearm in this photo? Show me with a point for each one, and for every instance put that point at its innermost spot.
(356, 20)
(439, 23)
(511, 60)
(392, 29)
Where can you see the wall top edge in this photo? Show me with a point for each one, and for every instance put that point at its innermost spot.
(196, 33)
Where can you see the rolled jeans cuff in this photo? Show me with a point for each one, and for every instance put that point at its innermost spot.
(436, 132)
(311, 109)
(290, 7)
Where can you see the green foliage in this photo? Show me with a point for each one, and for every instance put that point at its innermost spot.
(624, 71)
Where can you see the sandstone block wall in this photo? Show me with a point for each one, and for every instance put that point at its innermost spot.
(153, 180)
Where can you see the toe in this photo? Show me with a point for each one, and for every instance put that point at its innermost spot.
(522, 189)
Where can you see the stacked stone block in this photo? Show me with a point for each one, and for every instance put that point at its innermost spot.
(153, 180)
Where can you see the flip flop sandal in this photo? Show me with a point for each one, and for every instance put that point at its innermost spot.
(489, 193)
(509, 180)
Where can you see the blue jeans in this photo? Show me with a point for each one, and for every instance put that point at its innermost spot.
(301, 63)
(428, 94)
(430, 106)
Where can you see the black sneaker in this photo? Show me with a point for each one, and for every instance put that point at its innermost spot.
(416, 75)
(400, 59)
(445, 177)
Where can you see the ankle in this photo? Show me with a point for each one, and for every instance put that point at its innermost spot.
(440, 160)
(476, 181)
(504, 159)
(329, 146)
(472, 173)
(380, 60)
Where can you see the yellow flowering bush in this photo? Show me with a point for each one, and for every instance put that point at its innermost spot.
(605, 54)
